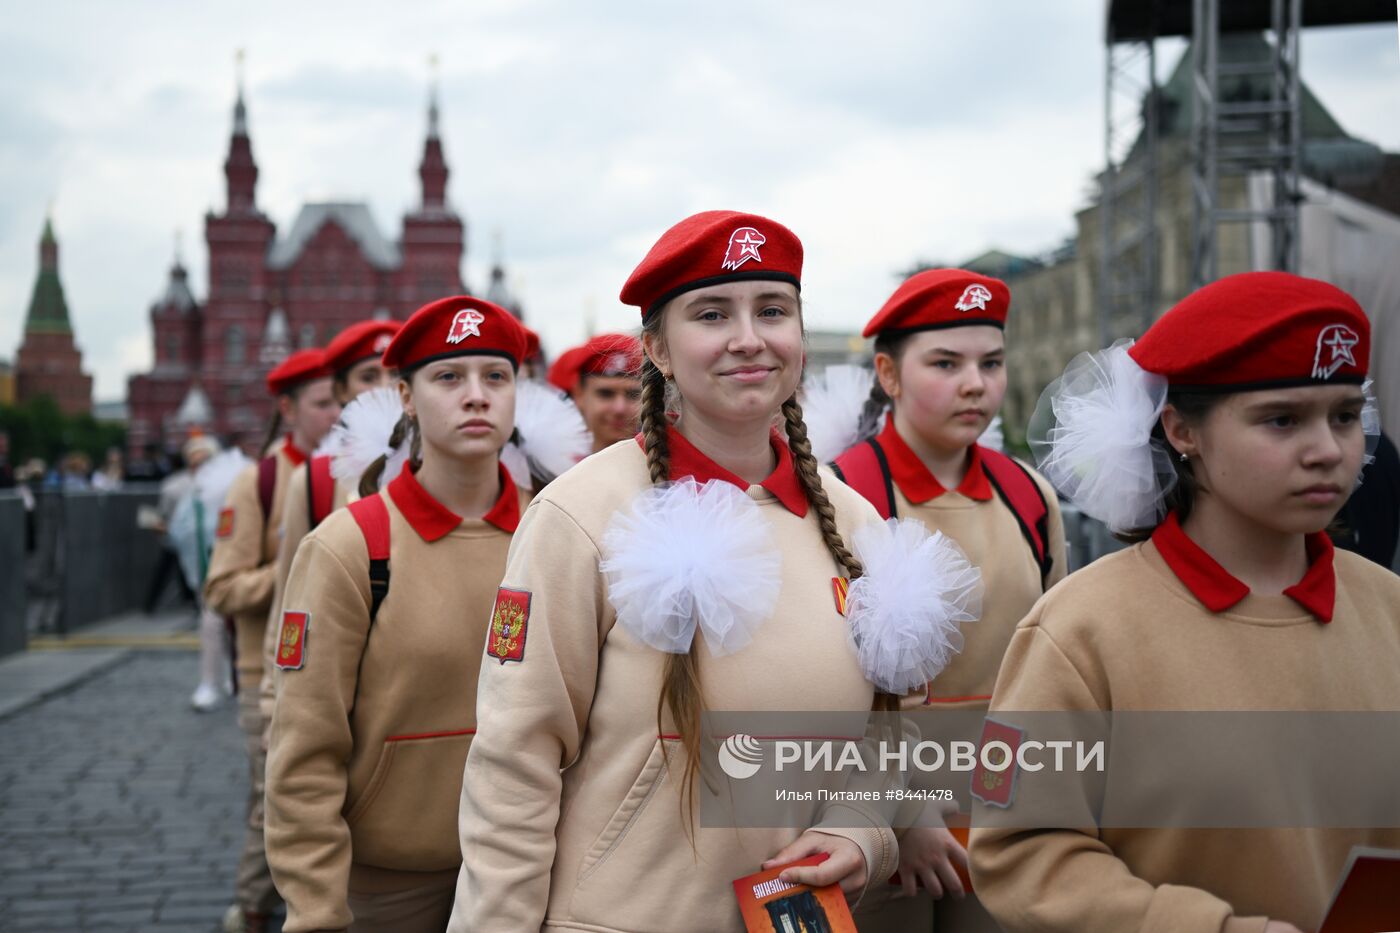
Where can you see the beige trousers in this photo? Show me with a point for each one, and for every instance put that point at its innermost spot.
(255, 889)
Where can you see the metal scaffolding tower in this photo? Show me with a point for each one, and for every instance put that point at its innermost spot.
(1241, 137)
(1128, 189)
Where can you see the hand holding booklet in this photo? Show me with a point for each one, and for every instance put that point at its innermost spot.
(769, 905)
(1367, 898)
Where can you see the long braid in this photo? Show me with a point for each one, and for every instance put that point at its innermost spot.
(680, 674)
(653, 417)
(274, 428)
(811, 480)
(875, 406)
(812, 485)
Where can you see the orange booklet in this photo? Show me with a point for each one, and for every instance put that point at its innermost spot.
(772, 906)
(1366, 898)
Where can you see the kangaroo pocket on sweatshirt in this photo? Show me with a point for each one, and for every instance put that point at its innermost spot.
(406, 817)
(641, 872)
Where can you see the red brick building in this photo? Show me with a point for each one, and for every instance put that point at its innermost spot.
(271, 292)
(48, 362)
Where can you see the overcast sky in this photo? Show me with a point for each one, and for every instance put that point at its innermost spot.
(881, 132)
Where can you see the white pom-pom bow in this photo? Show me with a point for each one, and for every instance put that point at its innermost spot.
(362, 436)
(552, 434)
(688, 555)
(832, 403)
(904, 613)
(1092, 438)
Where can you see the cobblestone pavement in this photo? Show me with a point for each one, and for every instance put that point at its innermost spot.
(120, 807)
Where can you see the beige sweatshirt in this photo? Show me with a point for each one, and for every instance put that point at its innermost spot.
(295, 525)
(570, 818)
(1127, 634)
(243, 564)
(370, 734)
(986, 529)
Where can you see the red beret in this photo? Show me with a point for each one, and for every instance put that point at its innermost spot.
(603, 355)
(532, 343)
(939, 298)
(301, 367)
(359, 342)
(457, 326)
(710, 248)
(1259, 330)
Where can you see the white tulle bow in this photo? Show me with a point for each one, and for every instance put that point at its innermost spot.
(551, 434)
(1092, 438)
(994, 438)
(832, 403)
(362, 436)
(904, 613)
(688, 555)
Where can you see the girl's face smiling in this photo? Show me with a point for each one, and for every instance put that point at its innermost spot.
(735, 350)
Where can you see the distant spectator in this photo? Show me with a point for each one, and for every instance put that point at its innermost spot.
(76, 472)
(152, 467)
(111, 473)
(1371, 517)
(174, 487)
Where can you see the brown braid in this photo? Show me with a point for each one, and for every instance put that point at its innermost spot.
(680, 676)
(811, 480)
(812, 485)
(274, 428)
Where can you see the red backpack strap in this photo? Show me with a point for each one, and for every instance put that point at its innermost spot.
(372, 515)
(320, 489)
(866, 470)
(1022, 495)
(267, 484)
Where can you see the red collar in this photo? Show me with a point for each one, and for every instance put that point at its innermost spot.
(1218, 590)
(293, 452)
(915, 480)
(433, 520)
(687, 460)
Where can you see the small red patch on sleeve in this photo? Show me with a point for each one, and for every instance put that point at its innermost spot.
(997, 787)
(225, 527)
(509, 620)
(841, 587)
(291, 643)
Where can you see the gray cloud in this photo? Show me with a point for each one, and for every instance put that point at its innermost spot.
(881, 133)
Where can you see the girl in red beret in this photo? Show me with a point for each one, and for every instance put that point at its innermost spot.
(1223, 443)
(353, 358)
(381, 633)
(601, 377)
(711, 564)
(240, 580)
(940, 375)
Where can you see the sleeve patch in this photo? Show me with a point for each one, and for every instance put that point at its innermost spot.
(225, 526)
(997, 787)
(291, 643)
(509, 620)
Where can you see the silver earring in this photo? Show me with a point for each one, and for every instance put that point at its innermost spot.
(1182, 457)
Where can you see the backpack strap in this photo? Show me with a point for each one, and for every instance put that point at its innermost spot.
(1022, 495)
(320, 489)
(267, 484)
(372, 515)
(866, 470)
